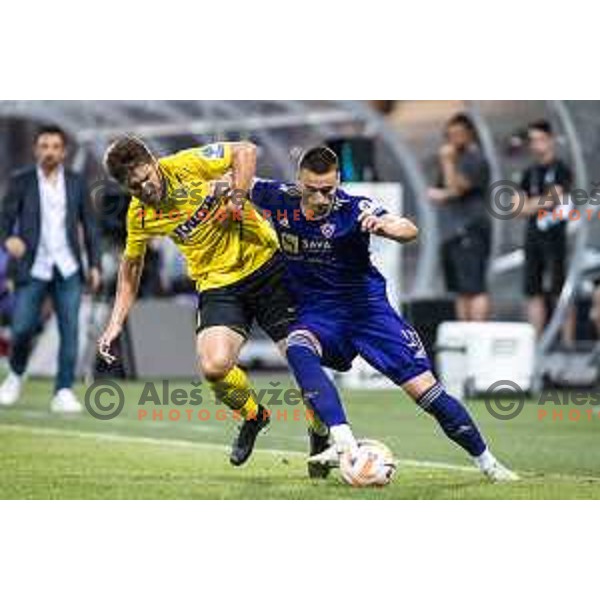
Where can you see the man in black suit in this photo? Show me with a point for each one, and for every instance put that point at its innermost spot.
(44, 210)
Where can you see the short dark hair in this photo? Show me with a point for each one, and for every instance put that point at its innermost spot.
(125, 154)
(50, 129)
(319, 160)
(541, 125)
(465, 121)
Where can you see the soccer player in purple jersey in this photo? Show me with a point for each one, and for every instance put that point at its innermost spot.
(343, 310)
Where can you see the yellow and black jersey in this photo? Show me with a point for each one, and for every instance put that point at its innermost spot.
(219, 250)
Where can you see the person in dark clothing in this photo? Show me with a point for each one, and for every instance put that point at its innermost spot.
(546, 184)
(464, 224)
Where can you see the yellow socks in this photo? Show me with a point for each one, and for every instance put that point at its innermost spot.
(234, 390)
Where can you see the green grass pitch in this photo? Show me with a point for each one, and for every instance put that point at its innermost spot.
(48, 456)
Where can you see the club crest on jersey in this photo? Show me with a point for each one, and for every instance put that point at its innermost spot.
(328, 229)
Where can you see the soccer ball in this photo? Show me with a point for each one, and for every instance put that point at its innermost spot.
(372, 465)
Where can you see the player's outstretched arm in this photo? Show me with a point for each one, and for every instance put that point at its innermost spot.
(393, 227)
(128, 283)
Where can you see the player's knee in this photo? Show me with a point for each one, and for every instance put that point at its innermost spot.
(215, 367)
(302, 338)
(417, 387)
(425, 399)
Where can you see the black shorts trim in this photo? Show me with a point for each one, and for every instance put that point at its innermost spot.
(262, 297)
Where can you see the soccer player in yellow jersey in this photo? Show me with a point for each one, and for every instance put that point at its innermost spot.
(232, 255)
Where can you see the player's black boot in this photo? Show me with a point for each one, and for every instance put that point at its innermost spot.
(244, 442)
(318, 444)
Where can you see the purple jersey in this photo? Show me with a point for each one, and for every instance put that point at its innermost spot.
(328, 259)
(341, 296)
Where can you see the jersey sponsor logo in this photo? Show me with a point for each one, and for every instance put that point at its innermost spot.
(213, 151)
(328, 229)
(316, 245)
(185, 230)
(292, 244)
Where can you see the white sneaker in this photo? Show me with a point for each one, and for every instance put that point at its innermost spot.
(498, 473)
(10, 390)
(65, 402)
(329, 457)
(493, 469)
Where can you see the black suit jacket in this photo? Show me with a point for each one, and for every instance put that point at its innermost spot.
(20, 215)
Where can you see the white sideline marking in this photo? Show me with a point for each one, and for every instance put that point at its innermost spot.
(114, 437)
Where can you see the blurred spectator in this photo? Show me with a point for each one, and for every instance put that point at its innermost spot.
(6, 303)
(463, 220)
(545, 183)
(39, 225)
(6, 295)
(384, 107)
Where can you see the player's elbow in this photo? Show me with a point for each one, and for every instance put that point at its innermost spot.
(414, 231)
(410, 231)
